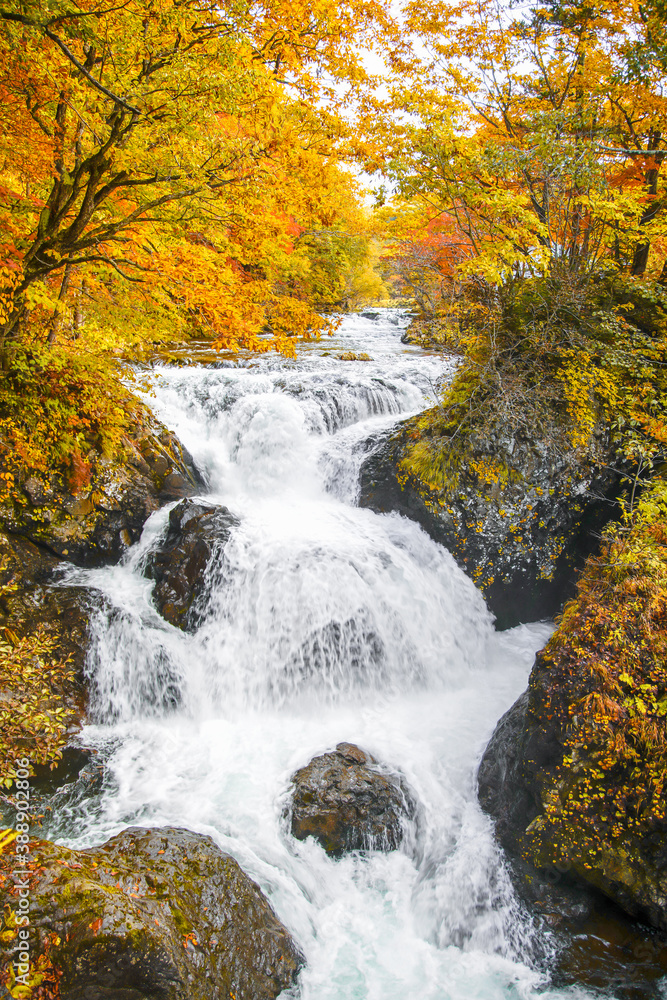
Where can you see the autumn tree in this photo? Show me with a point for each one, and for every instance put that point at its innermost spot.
(539, 131)
(167, 171)
(423, 249)
(150, 141)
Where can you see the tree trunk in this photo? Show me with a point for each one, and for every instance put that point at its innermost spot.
(640, 257)
(56, 320)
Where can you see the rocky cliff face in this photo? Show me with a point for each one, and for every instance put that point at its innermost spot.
(55, 522)
(151, 913)
(524, 776)
(49, 526)
(519, 516)
(574, 774)
(29, 600)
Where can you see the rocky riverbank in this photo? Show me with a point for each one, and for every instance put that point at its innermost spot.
(574, 773)
(519, 515)
(89, 515)
(51, 522)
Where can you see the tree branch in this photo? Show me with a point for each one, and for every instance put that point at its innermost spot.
(89, 76)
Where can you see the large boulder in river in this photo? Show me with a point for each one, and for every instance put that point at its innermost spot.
(575, 773)
(91, 516)
(519, 515)
(348, 802)
(178, 565)
(152, 913)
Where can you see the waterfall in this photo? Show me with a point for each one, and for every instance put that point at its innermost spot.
(320, 622)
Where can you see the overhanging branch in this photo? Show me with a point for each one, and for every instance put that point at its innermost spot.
(8, 15)
(89, 76)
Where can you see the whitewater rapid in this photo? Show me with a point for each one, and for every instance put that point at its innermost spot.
(322, 623)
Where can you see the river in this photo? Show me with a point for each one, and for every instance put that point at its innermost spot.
(205, 730)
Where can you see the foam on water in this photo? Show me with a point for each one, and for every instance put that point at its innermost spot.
(322, 622)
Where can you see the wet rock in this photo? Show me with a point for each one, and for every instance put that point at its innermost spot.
(61, 793)
(31, 603)
(89, 519)
(353, 356)
(522, 536)
(63, 613)
(156, 913)
(348, 802)
(574, 774)
(506, 793)
(599, 946)
(95, 524)
(178, 566)
(22, 564)
(611, 955)
(555, 806)
(47, 780)
(501, 788)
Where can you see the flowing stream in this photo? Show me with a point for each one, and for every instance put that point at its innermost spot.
(323, 622)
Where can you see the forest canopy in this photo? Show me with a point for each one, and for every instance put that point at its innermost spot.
(187, 170)
(164, 165)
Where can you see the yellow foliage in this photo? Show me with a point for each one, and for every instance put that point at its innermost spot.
(607, 693)
(34, 718)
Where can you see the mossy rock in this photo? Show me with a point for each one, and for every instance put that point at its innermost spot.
(520, 517)
(91, 519)
(156, 913)
(575, 773)
(31, 599)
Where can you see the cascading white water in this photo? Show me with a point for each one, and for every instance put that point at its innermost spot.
(323, 622)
